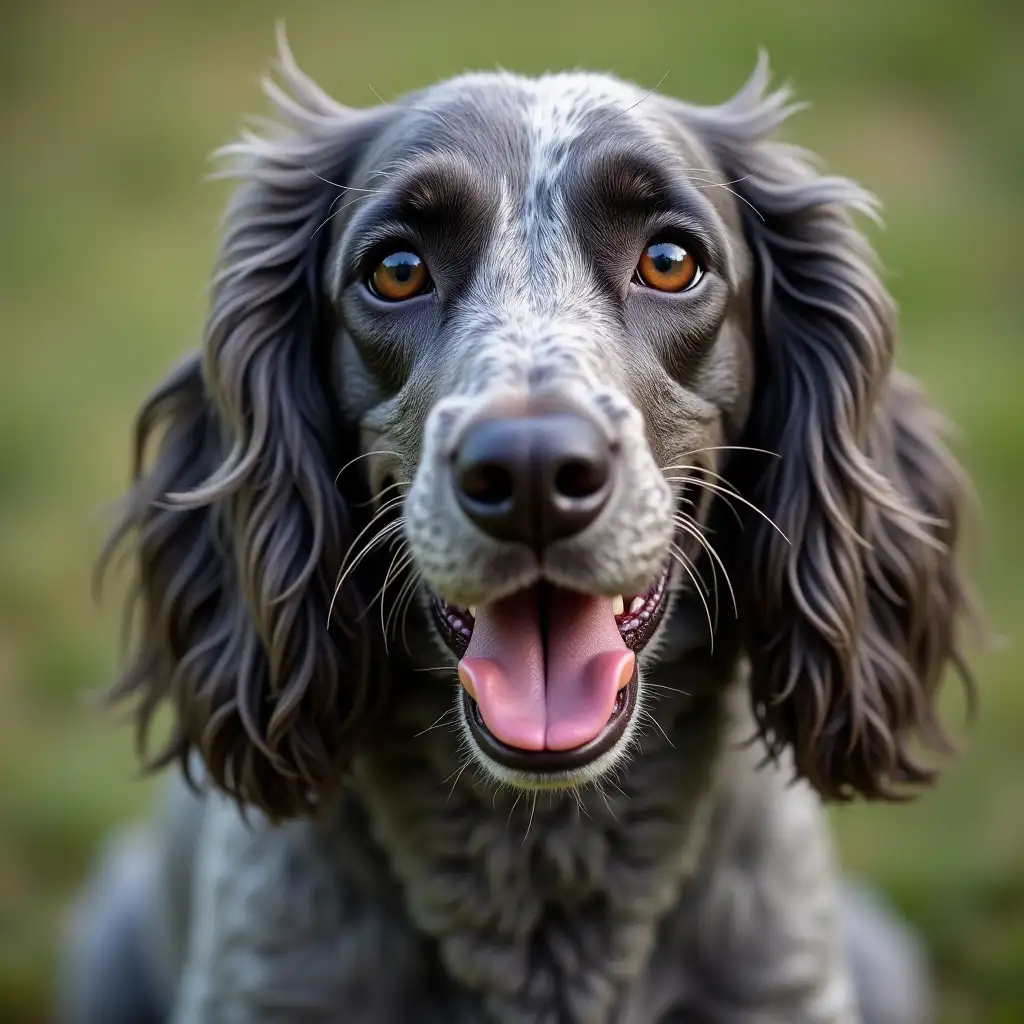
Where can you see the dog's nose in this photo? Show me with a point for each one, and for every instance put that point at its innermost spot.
(533, 479)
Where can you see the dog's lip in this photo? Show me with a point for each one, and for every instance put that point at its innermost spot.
(636, 629)
(554, 762)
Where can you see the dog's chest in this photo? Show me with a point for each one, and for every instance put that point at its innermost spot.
(543, 910)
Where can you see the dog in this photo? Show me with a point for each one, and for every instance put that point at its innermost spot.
(540, 537)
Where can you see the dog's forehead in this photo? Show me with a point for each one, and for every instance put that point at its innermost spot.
(561, 108)
(526, 128)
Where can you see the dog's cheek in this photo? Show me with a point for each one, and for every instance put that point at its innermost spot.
(726, 380)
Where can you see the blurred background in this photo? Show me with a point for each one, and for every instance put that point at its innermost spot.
(108, 109)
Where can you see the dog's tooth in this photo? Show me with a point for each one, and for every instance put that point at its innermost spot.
(618, 605)
(635, 605)
(472, 610)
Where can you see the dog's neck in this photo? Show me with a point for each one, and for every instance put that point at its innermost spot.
(546, 906)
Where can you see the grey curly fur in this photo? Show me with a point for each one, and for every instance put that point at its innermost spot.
(344, 863)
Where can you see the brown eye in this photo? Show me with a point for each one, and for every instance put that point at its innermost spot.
(668, 267)
(399, 276)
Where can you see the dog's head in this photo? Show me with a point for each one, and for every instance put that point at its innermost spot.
(547, 329)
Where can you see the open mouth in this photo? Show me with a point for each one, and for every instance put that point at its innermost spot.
(549, 675)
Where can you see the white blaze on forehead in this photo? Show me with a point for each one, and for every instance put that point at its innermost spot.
(534, 307)
(559, 109)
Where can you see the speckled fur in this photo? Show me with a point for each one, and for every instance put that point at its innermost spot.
(534, 321)
(696, 885)
(691, 878)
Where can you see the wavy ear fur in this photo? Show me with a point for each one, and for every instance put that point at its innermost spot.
(236, 528)
(851, 618)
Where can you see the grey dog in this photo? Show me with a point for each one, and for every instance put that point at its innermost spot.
(590, 390)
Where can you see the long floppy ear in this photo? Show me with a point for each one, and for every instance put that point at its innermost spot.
(851, 617)
(235, 526)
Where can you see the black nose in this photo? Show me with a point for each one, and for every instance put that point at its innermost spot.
(533, 479)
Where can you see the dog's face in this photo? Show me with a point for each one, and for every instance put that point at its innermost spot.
(554, 326)
(549, 302)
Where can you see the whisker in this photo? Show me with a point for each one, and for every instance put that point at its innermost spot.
(692, 527)
(676, 549)
(331, 216)
(657, 725)
(703, 600)
(385, 507)
(533, 807)
(667, 689)
(701, 170)
(696, 482)
(435, 724)
(402, 602)
(614, 783)
(709, 472)
(604, 797)
(346, 188)
(515, 804)
(698, 469)
(378, 538)
(731, 181)
(382, 511)
(384, 490)
(690, 531)
(394, 573)
(422, 110)
(739, 497)
(580, 807)
(366, 455)
(385, 531)
(741, 198)
(416, 577)
(718, 476)
(406, 560)
(724, 448)
(400, 553)
(465, 765)
(633, 106)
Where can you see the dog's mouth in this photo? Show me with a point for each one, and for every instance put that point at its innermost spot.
(549, 675)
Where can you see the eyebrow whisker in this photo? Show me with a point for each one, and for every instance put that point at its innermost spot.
(346, 188)
(719, 184)
(331, 216)
(633, 106)
(732, 181)
(422, 110)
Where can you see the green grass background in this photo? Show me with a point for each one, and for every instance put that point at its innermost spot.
(107, 111)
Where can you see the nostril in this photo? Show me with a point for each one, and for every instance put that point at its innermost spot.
(580, 478)
(487, 483)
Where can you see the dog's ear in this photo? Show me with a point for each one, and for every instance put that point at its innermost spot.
(851, 600)
(235, 526)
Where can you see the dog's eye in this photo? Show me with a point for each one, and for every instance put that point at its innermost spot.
(399, 276)
(668, 267)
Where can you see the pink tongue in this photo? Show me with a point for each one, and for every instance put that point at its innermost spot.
(587, 664)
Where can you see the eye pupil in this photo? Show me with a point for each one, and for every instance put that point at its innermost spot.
(663, 263)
